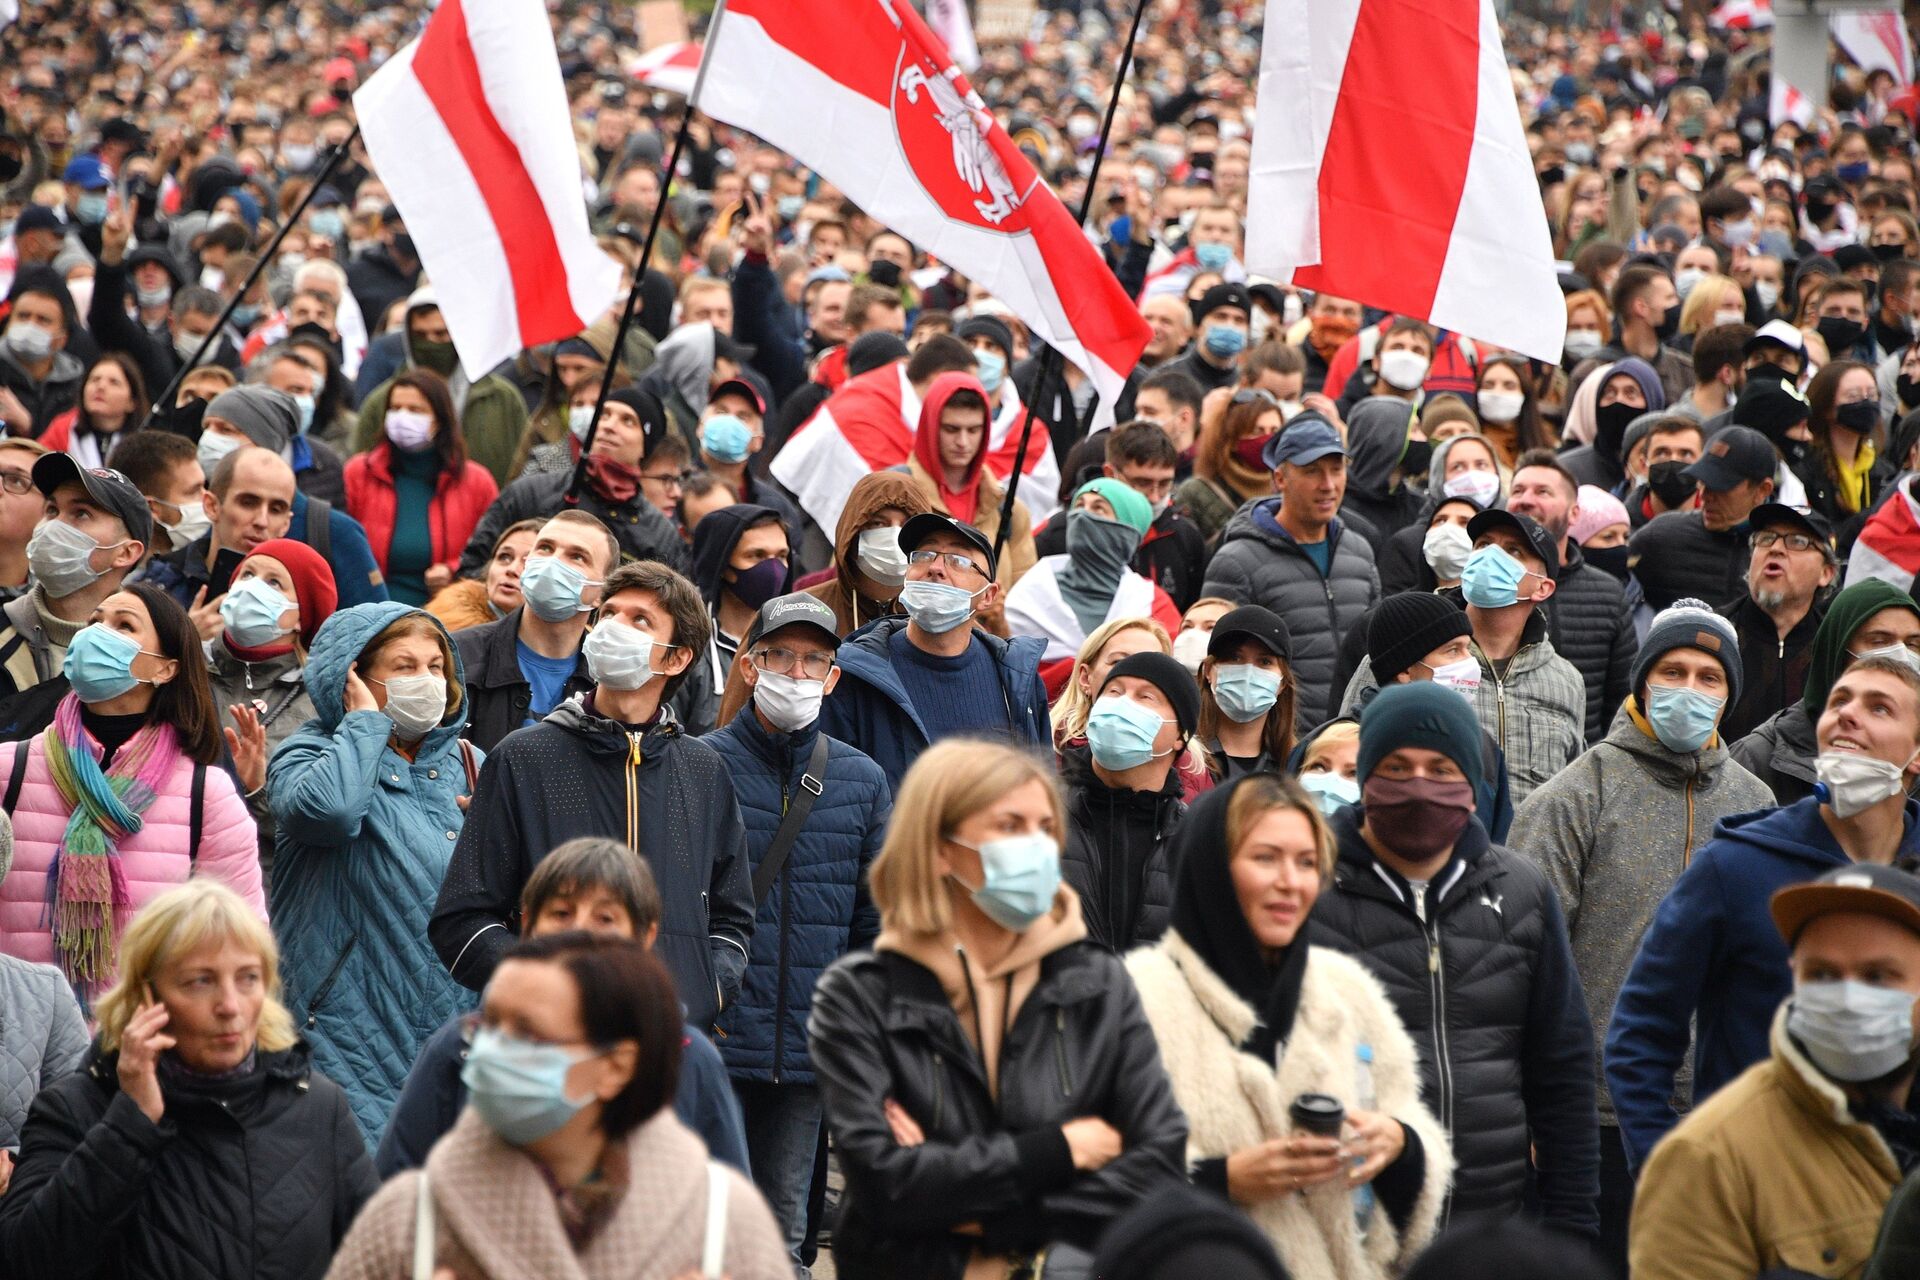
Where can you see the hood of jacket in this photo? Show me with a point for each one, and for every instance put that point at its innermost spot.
(714, 539)
(870, 495)
(926, 436)
(1437, 476)
(1844, 615)
(1376, 438)
(1797, 831)
(577, 716)
(1260, 519)
(1631, 733)
(339, 644)
(685, 361)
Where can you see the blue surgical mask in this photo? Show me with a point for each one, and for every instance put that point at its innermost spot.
(1331, 791)
(305, 405)
(937, 607)
(552, 590)
(1855, 173)
(1244, 692)
(726, 438)
(519, 1089)
(91, 209)
(1213, 257)
(1121, 732)
(99, 664)
(1683, 719)
(992, 368)
(252, 611)
(1491, 579)
(328, 223)
(1021, 877)
(1224, 341)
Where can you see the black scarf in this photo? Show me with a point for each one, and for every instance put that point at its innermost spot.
(1206, 912)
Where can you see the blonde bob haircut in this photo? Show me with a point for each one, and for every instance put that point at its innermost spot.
(1259, 794)
(949, 783)
(181, 920)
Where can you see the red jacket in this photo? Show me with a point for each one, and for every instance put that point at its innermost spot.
(460, 498)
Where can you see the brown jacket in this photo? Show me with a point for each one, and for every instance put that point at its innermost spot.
(1771, 1171)
(495, 1219)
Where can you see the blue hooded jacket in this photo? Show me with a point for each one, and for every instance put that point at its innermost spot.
(1713, 953)
(364, 838)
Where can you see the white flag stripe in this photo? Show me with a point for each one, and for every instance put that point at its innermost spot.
(820, 468)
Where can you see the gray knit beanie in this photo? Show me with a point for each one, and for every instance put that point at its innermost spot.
(267, 417)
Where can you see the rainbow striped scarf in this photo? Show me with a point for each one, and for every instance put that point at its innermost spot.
(87, 896)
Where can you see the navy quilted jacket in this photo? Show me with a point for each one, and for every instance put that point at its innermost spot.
(363, 839)
(818, 909)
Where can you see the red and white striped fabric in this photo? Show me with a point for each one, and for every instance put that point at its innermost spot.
(469, 127)
(1786, 103)
(672, 67)
(863, 93)
(1389, 167)
(865, 426)
(1876, 41)
(1742, 15)
(1888, 548)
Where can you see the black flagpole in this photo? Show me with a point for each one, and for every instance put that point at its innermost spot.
(646, 255)
(165, 398)
(1050, 361)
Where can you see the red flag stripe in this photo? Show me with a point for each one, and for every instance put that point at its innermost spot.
(1366, 198)
(444, 65)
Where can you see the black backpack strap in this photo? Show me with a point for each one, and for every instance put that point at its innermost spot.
(790, 823)
(197, 815)
(319, 530)
(18, 776)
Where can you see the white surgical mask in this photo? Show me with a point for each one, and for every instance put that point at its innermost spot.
(1463, 677)
(1500, 406)
(1190, 648)
(1768, 292)
(619, 656)
(877, 552)
(1852, 1031)
(1482, 486)
(215, 446)
(1582, 343)
(415, 704)
(1446, 548)
(193, 522)
(1685, 280)
(1403, 370)
(1855, 783)
(1731, 315)
(789, 703)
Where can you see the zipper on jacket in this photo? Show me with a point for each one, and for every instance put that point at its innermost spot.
(321, 992)
(1443, 1058)
(634, 759)
(1060, 1050)
(939, 1091)
(1686, 853)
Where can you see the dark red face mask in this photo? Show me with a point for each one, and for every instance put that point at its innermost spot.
(1417, 818)
(1250, 451)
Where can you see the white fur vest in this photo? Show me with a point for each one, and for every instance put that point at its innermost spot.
(1233, 1100)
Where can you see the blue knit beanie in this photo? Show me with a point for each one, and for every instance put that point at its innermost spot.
(1690, 624)
(1420, 714)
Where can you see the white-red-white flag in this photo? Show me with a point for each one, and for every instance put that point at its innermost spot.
(1389, 166)
(954, 25)
(672, 67)
(1876, 40)
(1742, 15)
(862, 92)
(1784, 103)
(470, 130)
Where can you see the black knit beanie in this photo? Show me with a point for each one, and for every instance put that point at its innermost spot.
(1409, 626)
(1170, 678)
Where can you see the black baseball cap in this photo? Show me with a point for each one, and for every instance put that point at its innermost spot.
(1526, 526)
(923, 526)
(1864, 888)
(796, 610)
(1734, 456)
(725, 348)
(1769, 514)
(1251, 622)
(38, 217)
(741, 387)
(106, 487)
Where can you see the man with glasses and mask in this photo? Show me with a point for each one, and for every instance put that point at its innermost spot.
(613, 762)
(907, 682)
(816, 811)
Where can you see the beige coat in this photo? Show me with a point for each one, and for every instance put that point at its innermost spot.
(496, 1219)
(1233, 1100)
(1771, 1171)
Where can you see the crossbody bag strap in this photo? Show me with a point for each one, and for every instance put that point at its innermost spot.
(811, 785)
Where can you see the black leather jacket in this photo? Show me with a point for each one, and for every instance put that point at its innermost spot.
(883, 1028)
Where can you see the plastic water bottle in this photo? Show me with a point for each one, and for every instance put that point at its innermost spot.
(1363, 1080)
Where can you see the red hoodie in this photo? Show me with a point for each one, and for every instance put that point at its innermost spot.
(962, 504)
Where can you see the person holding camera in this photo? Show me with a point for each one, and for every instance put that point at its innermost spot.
(1301, 1088)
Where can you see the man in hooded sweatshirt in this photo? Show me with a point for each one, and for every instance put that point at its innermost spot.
(1615, 828)
(1470, 943)
(1711, 966)
(1376, 485)
(493, 416)
(1123, 799)
(741, 560)
(613, 762)
(1629, 390)
(1868, 617)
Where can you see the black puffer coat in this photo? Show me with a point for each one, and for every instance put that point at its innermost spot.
(1591, 627)
(1116, 853)
(1780, 752)
(883, 1028)
(1675, 555)
(251, 1179)
(1486, 986)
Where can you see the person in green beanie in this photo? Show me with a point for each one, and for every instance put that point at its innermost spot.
(1064, 599)
(1868, 617)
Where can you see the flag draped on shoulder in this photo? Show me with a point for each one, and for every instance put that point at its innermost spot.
(863, 92)
(1389, 166)
(469, 128)
(866, 426)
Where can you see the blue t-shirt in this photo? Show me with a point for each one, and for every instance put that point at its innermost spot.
(1319, 553)
(547, 676)
(954, 696)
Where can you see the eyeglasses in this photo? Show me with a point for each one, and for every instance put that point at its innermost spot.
(814, 666)
(952, 559)
(1794, 541)
(676, 478)
(1255, 395)
(16, 482)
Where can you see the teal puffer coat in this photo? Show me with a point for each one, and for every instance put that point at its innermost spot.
(363, 839)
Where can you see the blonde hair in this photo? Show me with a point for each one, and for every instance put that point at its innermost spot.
(1259, 794)
(1704, 300)
(950, 782)
(176, 922)
(1335, 735)
(1071, 711)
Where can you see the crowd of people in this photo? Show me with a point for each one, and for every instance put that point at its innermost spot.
(1387, 806)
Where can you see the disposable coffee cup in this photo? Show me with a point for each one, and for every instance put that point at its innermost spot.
(1319, 1114)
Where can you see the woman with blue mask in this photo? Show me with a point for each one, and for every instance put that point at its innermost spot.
(569, 1158)
(1247, 693)
(1329, 765)
(281, 593)
(990, 1084)
(1124, 797)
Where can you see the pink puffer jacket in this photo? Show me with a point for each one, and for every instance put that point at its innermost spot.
(155, 858)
